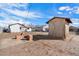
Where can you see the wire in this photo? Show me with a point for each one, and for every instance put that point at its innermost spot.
(28, 10)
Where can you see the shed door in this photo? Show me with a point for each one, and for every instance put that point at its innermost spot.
(59, 30)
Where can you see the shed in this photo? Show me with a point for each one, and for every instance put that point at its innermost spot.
(59, 27)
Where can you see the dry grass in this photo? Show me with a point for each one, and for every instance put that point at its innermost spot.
(42, 45)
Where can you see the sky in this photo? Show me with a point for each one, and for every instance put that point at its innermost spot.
(37, 13)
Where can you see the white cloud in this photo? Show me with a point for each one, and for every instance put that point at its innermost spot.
(70, 12)
(14, 8)
(60, 12)
(28, 14)
(67, 8)
(14, 5)
(7, 21)
(76, 10)
(70, 9)
(75, 22)
(75, 19)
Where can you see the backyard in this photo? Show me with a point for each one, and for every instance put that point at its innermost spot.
(41, 46)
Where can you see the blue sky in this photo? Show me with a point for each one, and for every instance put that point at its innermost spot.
(37, 13)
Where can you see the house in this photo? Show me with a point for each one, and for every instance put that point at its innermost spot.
(59, 27)
(5, 30)
(41, 28)
(45, 28)
(1, 29)
(38, 28)
(17, 27)
(73, 29)
(29, 29)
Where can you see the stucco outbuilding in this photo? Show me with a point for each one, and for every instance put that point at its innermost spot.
(59, 27)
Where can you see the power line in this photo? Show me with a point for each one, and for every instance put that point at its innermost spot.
(28, 10)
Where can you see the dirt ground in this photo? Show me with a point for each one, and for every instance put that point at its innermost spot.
(41, 46)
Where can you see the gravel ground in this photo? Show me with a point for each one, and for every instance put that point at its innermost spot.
(41, 46)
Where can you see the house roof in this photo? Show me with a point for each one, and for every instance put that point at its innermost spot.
(66, 19)
(18, 24)
(22, 25)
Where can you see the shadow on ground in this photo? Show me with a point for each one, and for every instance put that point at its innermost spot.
(44, 37)
(77, 33)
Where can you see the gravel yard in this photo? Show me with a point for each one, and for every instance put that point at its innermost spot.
(41, 46)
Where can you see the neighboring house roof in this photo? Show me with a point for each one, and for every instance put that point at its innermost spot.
(66, 19)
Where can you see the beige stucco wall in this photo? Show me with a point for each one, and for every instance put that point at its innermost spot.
(66, 31)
